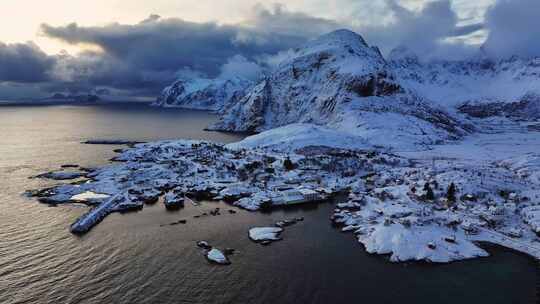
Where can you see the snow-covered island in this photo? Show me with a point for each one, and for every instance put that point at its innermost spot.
(422, 165)
(402, 206)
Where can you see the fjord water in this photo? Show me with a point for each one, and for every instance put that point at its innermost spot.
(138, 258)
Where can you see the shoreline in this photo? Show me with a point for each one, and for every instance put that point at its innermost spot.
(381, 211)
(67, 103)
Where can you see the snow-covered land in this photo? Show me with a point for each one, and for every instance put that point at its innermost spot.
(295, 136)
(510, 84)
(260, 234)
(399, 204)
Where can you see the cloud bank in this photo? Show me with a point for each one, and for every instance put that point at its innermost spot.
(140, 59)
(24, 62)
(514, 28)
(149, 54)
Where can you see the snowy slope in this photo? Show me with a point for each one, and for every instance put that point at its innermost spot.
(339, 81)
(479, 86)
(203, 93)
(296, 136)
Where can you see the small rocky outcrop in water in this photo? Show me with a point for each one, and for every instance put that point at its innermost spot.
(290, 222)
(111, 142)
(203, 245)
(265, 234)
(62, 175)
(217, 256)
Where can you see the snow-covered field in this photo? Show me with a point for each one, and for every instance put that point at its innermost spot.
(295, 136)
(483, 147)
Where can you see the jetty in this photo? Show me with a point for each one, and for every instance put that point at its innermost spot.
(96, 215)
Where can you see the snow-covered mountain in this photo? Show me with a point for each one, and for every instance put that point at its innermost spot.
(338, 80)
(479, 87)
(203, 93)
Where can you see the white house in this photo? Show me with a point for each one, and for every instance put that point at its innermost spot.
(297, 196)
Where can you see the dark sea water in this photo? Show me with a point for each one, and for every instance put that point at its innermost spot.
(132, 258)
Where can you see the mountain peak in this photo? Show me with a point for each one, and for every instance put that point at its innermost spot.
(342, 36)
(339, 40)
(340, 51)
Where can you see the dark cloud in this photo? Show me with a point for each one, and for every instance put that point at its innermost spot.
(140, 59)
(433, 32)
(88, 70)
(278, 20)
(467, 29)
(150, 54)
(426, 31)
(166, 45)
(157, 45)
(23, 62)
(514, 28)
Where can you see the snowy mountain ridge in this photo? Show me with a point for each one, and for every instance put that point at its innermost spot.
(340, 82)
(477, 81)
(203, 93)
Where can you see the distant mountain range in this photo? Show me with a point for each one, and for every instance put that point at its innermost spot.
(60, 98)
(73, 98)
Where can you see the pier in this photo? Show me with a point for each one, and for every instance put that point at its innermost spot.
(94, 216)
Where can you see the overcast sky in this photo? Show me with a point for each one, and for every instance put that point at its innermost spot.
(135, 47)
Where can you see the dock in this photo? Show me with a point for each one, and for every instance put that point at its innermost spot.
(94, 216)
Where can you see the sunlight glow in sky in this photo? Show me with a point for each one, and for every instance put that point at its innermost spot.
(136, 47)
(21, 18)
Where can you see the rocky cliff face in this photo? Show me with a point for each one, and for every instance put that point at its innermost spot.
(340, 81)
(526, 108)
(203, 94)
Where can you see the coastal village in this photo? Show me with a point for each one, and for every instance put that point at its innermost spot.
(408, 209)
